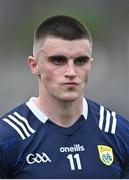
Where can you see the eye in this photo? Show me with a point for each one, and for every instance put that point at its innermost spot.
(58, 60)
(81, 60)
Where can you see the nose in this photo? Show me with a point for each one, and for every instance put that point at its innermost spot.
(70, 69)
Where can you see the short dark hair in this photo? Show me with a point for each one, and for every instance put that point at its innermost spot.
(61, 26)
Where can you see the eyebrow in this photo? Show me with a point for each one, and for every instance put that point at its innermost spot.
(57, 57)
(83, 56)
(65, 57)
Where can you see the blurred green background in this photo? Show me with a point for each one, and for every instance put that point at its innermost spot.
(108, 21)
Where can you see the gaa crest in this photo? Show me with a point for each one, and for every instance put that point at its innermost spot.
(106, 154)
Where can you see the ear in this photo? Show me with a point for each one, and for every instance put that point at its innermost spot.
(33, 64)
(92, 60)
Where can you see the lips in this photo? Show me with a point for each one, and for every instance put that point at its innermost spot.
(70, 84)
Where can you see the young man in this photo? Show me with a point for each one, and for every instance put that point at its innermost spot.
(60, 134)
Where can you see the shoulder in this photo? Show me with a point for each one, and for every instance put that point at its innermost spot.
(108, 120)
(16, 123)
(15, 130)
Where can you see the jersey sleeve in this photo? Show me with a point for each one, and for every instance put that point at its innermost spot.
(4, 173)
(123, 145)
(7, 150)
(14, 130)
(126, 173)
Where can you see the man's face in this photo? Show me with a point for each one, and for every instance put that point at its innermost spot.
(64, 67)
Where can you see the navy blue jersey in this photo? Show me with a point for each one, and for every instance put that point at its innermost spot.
(32, 146)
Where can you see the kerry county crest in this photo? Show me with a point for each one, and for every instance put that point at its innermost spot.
(106, 154)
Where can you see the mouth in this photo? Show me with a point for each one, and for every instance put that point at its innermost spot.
(70, 84)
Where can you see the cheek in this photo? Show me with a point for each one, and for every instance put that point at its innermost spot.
(47, 76)
(85, 74)
(45, 73)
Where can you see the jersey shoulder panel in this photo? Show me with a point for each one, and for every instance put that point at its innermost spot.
(17, 123)
(108, 121)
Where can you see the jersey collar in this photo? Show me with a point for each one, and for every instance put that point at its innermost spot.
(85, 109)
(35, 110)
(43, 118)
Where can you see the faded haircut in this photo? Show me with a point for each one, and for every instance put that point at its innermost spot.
(64, 27)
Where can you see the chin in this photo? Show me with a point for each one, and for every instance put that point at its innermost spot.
(70, 98)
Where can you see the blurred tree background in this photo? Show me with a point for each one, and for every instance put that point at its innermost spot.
(108, 21)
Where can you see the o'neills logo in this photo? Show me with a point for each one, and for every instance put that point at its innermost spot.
(74, 148)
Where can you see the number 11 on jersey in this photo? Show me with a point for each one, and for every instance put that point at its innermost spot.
(74, 159)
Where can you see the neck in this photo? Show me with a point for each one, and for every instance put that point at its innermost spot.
(63, 113)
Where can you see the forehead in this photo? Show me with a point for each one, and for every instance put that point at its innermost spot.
(57, 46)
